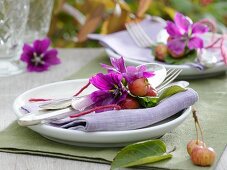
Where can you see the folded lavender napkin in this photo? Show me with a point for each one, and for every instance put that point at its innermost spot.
(122, 43)
(117, 120)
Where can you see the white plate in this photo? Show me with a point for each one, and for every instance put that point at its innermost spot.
(91, 139)
(187, 71)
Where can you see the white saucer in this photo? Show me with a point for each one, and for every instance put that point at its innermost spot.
(91, 139)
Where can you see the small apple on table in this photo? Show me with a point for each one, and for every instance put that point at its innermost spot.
(200, 154)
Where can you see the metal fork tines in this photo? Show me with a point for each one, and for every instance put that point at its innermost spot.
(138, 34)
(170, 76)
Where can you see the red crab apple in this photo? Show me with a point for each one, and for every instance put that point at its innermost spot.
(151, 92)
(129, 103)
(139, 87)
(192, 144)
(160, 52)
(203, 156)
(174, 55)
(200, 154)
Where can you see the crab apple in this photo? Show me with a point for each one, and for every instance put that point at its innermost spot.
(129, 103)
(160, 52)
(203, 156)
(151, 92)
(192, 144)
(139, 87)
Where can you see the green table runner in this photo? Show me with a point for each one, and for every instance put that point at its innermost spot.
(212, 114)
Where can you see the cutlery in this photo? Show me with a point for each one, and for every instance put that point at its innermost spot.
(38, 117)
(60, 108)
(141, 38)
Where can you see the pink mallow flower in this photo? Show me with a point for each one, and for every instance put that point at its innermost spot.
(183, 33)
(38, 57)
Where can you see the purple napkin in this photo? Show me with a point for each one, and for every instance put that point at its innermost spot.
(122, 43)
(129, 119)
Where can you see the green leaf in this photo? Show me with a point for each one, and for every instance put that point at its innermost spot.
(170, 91)
(141, 153)
(189, 57)
(148, 101)
(153, 101)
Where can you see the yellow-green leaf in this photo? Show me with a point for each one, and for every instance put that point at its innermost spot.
(141, 153)
(171, 91)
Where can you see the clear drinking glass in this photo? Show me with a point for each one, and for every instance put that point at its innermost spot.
(38, 19)
(13, 18)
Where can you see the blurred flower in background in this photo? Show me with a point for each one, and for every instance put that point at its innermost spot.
(72, 20)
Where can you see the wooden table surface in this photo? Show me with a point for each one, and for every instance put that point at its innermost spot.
(11, 87)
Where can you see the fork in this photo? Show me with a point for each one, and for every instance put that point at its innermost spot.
(171, 75)
(138, 34)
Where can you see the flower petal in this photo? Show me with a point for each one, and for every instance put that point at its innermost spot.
(195, 43)
(176, 46)
(172, 29)
(182, 22)
(119, 64)
(41, 46)
(106, 82)
(99, 96)
(199, 28)
(51, 57)
(27, 53)
(40, 68)
(131, 74)
(142, 70)
(108, 68)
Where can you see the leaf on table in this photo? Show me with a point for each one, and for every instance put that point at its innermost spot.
(170, 91)
(143, 7)
(91, 23)
(140, 153)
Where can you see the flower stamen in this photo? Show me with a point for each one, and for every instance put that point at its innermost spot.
(37, 59)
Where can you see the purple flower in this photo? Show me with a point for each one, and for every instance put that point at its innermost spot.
(130, 73)
(118, 65)
(133, 73)
(38, 57)
(183, 33)
(111, 90)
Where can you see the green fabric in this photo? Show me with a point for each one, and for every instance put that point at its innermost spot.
(211, 112)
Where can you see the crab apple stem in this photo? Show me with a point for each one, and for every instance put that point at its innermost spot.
(82, 89)
(198, 124)
(213, 43)
(172, 150)
(41, 99)
(114, 106)
(38, 100)
(223, 51)
(197, 133)
(210, 23)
